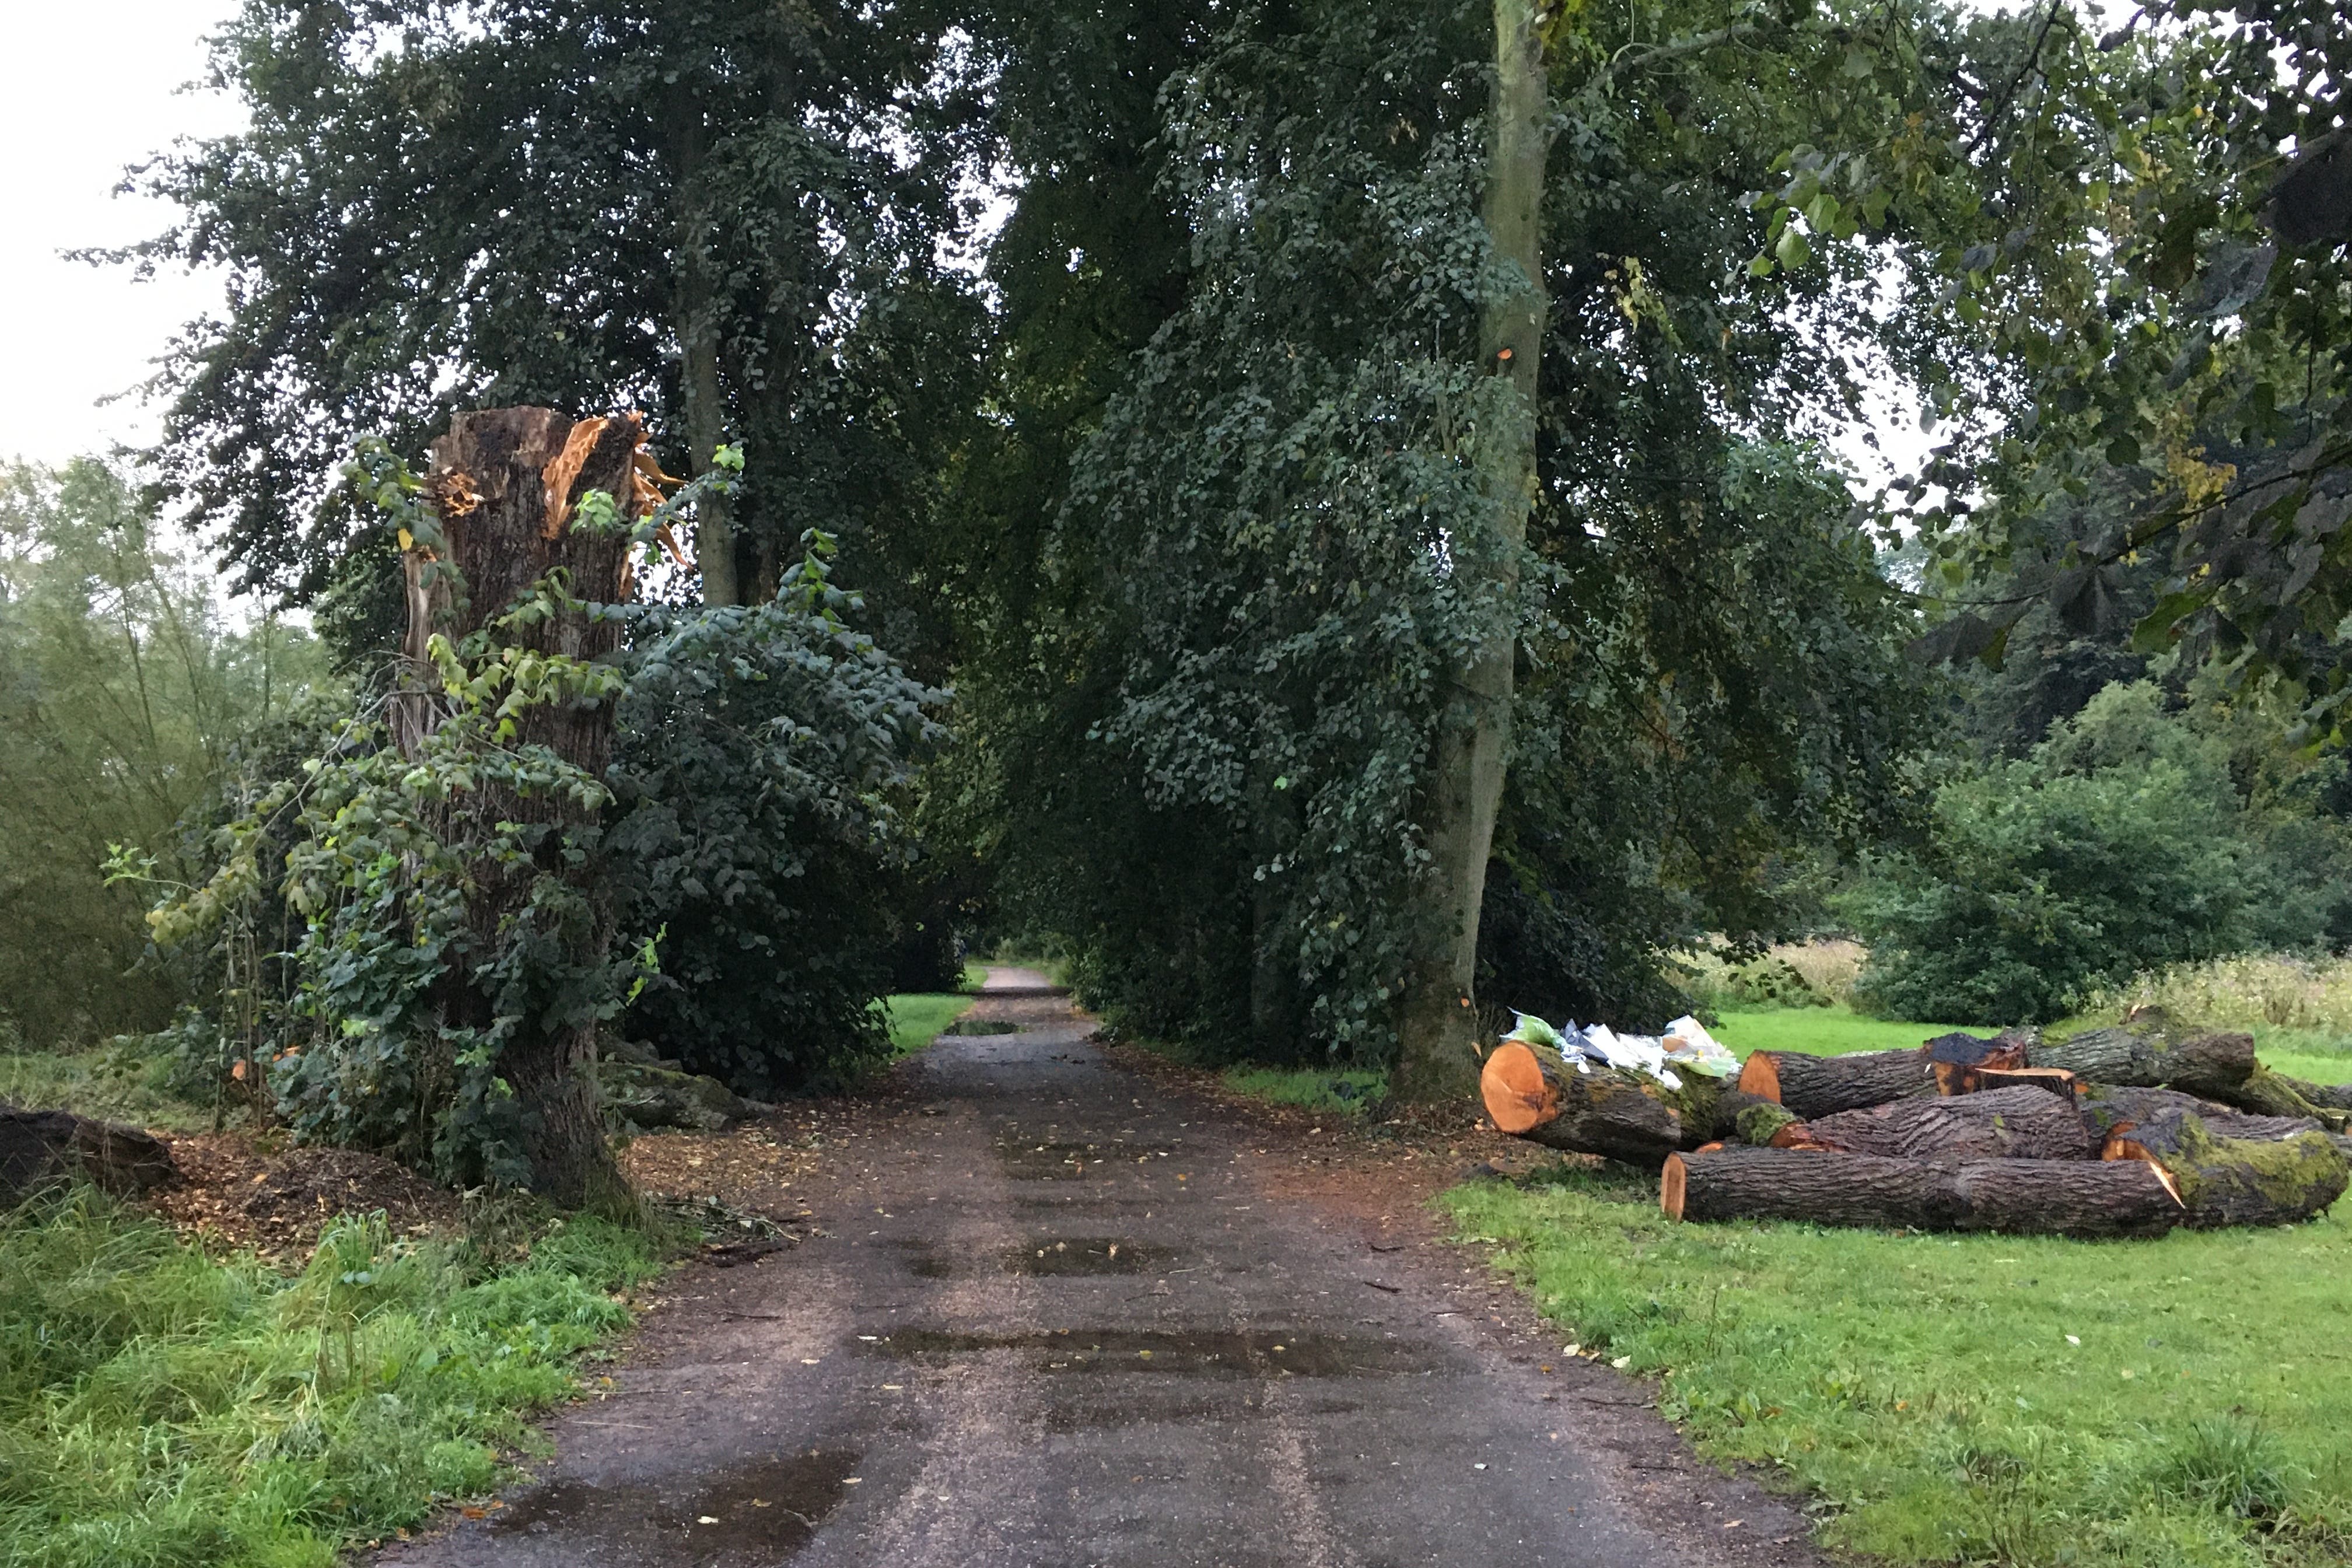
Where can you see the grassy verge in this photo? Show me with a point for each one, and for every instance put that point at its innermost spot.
(1819, 1031)
(161, 1406)
(2176, 1403)
(917, 1018)
(1341, 1094)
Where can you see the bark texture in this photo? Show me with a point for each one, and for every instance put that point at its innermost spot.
(2237, 1181)
(1815, 1087)
(1532, 1092)
(2213, 1065)
(2020, 1124)
(1437, 1025)
(520, 473)
(2021, 1197)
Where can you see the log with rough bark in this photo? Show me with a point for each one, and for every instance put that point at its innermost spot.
(1813, 1087)
(40, 1147)
(1958, 1081)
(2016, 1123)
(1532, 1092)
(2210, 1065)
(2021, 1197)
(2228, 1181)
(2109, 1109)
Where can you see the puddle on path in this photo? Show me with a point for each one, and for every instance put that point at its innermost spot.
(766, 1512)
(1259, 1353)
(1083, 1255)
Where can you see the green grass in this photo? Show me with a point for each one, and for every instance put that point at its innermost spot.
(117, 1086)
(1341, 1094)
(1925, 1387)
(158, 1407)
(1819, 1031)
(917, 1018)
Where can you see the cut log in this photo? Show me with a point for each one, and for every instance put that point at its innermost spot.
(1532, 1093)
(2108, 1111)
(1953, 1080)
(39, 1148)
(2327, 1096)
(2209, 1066)
(2020, 1123)
(2020, 1198)
(2237, 1181)
(1812, 1086)
(2266, 1093)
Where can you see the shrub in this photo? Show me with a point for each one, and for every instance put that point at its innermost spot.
(2117, 845)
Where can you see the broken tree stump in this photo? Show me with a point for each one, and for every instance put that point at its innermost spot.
(39, 1148)
(1813, 1087)
(2020, 1197)
(2020, 1123)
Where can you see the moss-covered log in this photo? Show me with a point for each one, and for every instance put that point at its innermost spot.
(1532, 1092)
(2109, 1108)
(1813, 1087)
(2021, 1197)
(2236, 1181)
(2017, 1123)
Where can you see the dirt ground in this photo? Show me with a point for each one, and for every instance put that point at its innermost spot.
(1038, 1303)
(237, 1193)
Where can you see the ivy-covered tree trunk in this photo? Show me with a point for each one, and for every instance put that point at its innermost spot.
(507, 481)
(1438, 1028)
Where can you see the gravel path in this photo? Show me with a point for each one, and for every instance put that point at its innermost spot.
(1064, 1317)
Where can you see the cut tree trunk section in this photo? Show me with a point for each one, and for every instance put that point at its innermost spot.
(2226, 1181)
(1813, 1087)
(2016, 1123)
(1532, 1092)
(2020, 1197)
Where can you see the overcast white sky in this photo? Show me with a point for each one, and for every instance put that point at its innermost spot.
(92, 92)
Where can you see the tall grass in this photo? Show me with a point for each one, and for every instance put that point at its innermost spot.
(1817, 973)
(2262, 990)
(161, 1407)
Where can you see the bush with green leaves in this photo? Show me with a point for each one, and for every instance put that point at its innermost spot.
(755, 832)
(2119, 844)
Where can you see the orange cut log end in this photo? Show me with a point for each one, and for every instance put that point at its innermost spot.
(1760, 1075)
(1512, 1084)
(1673, 1183)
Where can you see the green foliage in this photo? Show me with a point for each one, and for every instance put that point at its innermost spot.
(762, 755)
(157, 1405)
(2119, 844)
(1209, 741)
(777, 183)
(2143, 1405)
(2128, 253)
(122, 692)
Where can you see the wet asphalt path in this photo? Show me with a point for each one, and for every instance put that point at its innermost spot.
(1072, 1323)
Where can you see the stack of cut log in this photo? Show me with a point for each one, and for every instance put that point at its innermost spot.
(2130, 1131)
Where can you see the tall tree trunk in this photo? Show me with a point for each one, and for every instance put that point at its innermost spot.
(1438, 1026)
(529, 467)
(700, 330)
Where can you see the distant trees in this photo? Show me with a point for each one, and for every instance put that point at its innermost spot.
(123, 689)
